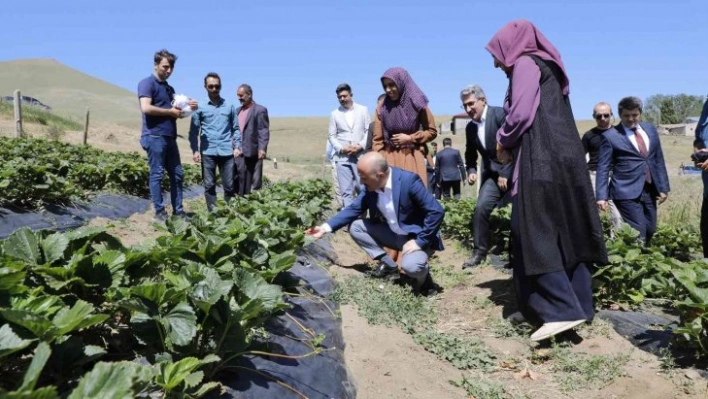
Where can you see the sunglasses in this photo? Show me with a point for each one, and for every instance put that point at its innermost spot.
(601, 116)
(214, 87)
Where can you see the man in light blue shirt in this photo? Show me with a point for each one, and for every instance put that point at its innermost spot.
(215, 140)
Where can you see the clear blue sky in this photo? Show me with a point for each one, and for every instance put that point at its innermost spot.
(294, 53)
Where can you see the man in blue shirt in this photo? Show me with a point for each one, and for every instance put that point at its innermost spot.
(159, 133)
(215, 140)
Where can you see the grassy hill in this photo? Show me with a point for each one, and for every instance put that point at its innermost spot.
(69, 91)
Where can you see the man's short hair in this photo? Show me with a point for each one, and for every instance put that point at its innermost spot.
(601, 104)
(342, 87)
(380, 165)
(247, 88)
(212, 75)
(164, 54)
(629, 103)
(434, 144)
(447, 141)
(474, 90)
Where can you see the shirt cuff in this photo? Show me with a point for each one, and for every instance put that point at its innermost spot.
(326, 227)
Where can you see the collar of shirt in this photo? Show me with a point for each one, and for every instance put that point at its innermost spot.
(221, 102)
(343, 109)
(389, 182)
(484, 116)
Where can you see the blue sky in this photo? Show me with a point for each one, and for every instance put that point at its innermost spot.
(294, 53)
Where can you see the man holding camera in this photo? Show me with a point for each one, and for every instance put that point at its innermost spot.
(701, 160)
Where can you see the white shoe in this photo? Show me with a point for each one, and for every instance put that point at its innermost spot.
(516, 318)
(548, 330)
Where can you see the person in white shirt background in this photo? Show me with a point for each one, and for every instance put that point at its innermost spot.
(348, 133)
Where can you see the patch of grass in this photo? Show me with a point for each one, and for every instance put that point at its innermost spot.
(501, 328)
(391, 305)
(41, 117)
(479, 387)
(462, 353)
(447, 275)
(579, 370)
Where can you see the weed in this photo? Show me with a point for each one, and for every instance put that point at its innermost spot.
(480, 387)
(463, 353)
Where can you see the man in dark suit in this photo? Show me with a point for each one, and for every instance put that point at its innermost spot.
(449, 170)
(495, 180)
(403, 215)
(255, 135)
(632, 152)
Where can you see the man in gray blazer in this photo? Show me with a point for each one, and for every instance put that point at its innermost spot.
(494, 183)
(348, 133)
(255, 135)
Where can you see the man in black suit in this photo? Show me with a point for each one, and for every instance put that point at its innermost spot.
(255, 135)
(449, 170)
(495, 179)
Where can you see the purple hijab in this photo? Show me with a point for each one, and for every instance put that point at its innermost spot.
(520, 37)
(402, 116)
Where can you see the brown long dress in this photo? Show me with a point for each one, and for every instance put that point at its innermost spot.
(412, 158)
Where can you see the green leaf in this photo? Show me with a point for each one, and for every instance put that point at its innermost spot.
(193, 379)
(205, 388)
(77, 317)
(255, 287)
(11, 342)
(170, 375)
(11, 280)
(22, 245)
(180, 324)
(40, 326)
(53, 247)
(49, 392)
(41, 355)
(119, 380)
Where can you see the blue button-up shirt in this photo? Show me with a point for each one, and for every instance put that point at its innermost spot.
(214, 129)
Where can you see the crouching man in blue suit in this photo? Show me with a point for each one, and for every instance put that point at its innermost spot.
(632, 152)
(403, 215)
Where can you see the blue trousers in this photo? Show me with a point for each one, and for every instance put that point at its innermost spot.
(640, 213)
(163, 155)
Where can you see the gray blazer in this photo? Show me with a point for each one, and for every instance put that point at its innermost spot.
(255, 132)
(341, 134)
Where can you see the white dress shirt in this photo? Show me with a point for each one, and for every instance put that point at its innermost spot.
(480, 128)
(385, 205)
(348, 115)
(633, 139)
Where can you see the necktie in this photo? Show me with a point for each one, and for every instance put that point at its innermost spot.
(643, 151)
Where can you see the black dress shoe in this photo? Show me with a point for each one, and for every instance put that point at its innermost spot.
(474, 261)
(383, 271)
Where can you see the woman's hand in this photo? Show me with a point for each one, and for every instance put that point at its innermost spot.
(400, 139)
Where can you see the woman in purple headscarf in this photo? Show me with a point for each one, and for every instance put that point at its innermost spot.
(404, 124)
(556, 230)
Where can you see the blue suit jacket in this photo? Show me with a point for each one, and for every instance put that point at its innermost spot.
(621, 157)
(419, 214)
(449, 165)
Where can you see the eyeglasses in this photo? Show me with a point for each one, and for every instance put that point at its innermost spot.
(601, 116)
(468, 105)
(217, 87)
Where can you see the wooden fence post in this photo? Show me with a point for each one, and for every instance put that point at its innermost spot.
(86, 126)
(18, 113)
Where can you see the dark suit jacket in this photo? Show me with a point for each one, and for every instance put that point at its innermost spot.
(617, 154)
(419, 214)
(449, 166)
(492, 168)
(255, 132)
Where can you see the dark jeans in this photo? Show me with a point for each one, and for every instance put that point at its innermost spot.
(446, 186)
(565, 295)
(226, 168)
(163, 154)
(490, 196)
(250, 174)
(640, 213)
(704, 215)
